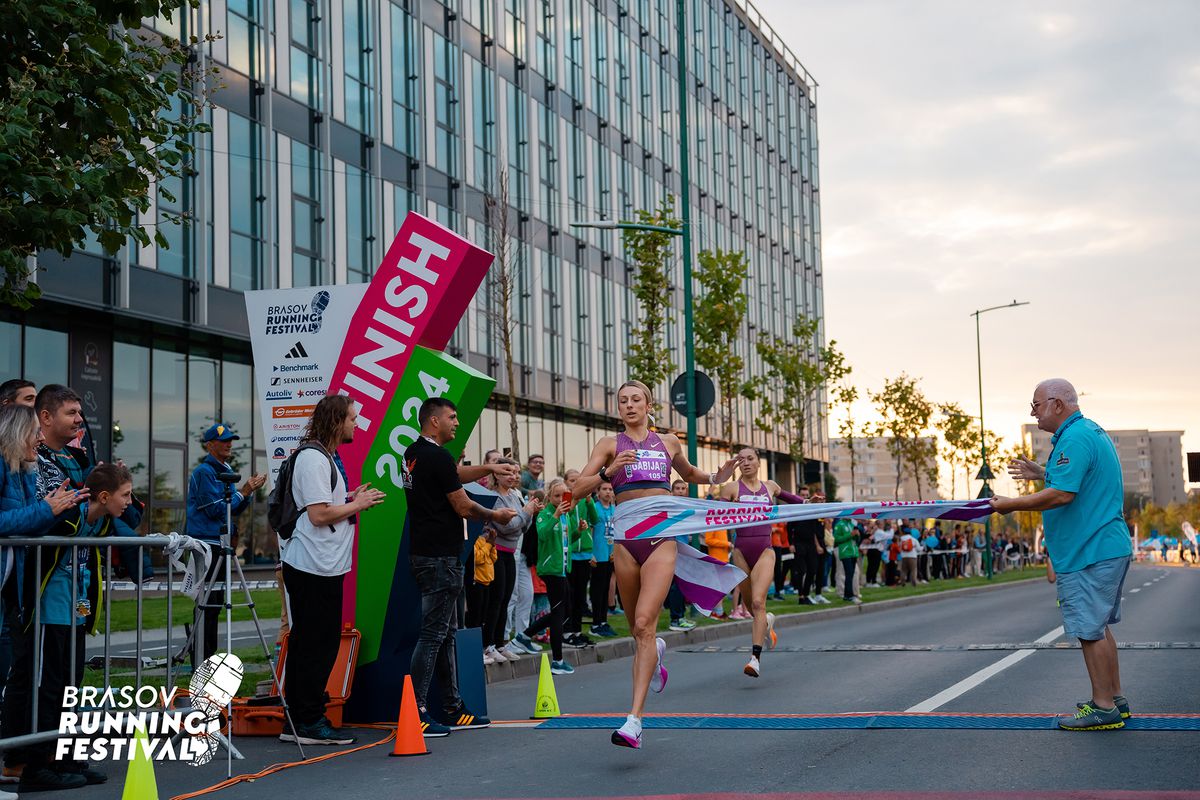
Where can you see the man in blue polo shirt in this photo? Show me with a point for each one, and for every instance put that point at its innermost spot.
(1087, 539)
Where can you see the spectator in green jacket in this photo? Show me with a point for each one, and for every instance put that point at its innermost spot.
(847, 551)
(556, 526)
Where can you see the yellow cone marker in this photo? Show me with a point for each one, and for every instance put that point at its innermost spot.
(139, 778)
(546, 706)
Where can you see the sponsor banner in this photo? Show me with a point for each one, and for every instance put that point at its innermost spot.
(417, 297)
(296, 336)
(429, 374)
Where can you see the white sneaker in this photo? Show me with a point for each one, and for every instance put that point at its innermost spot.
(629, 734)
(753, 668)
(510, 652)
(772, 637)
(658, 681)
(487, 658)
(496, 655)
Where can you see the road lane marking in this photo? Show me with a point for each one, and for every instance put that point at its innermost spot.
(970, 682)
(1134, 591)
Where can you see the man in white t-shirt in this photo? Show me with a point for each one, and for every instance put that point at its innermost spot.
(315, 560)
(910, 548)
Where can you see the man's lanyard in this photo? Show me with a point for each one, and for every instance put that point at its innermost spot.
(1066, 427)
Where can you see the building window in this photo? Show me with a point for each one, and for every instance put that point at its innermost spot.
(484, 115)
(357, 56)
(244, 47)
(406, 91)
(360, 223)
(446, 106)
(305, 59)
(514, 27)
(479, 13)
(306, 217)
(245, 204)
(546, 50)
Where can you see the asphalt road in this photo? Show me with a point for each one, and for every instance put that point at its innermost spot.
(512, 762)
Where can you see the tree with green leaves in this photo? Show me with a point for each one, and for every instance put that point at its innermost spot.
(720, 310)
(960, 438)
(905, 414)
(846, 395)
(94, 113)
(649, 252)
(797, 369)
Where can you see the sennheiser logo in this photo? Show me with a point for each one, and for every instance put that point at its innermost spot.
(100, 735)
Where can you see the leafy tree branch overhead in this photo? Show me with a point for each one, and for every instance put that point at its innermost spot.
(95, 113)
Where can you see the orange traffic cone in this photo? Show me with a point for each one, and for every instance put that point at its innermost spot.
(410, 739)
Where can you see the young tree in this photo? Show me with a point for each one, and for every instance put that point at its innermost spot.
(720, 310)
(905, 416)
(86, 126)
(503, 290)
(798, 368)
(650, 254)
(960, 433)
(846, 395)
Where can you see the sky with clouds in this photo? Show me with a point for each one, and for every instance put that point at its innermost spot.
(973, 153)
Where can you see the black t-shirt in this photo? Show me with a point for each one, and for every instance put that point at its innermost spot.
(806, 534)
(430, 474)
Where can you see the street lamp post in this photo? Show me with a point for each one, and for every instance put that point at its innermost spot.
(684, 230)
(985, 472)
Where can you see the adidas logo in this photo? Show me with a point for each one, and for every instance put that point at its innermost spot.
(297, 351)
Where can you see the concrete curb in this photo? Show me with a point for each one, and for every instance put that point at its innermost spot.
(611, 649)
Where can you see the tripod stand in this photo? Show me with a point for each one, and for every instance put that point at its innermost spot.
(226, 554)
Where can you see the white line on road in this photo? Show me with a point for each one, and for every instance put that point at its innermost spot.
(1134, 591)
(1147, 583)
(967, 684)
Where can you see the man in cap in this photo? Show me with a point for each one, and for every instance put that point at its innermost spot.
(206, 521)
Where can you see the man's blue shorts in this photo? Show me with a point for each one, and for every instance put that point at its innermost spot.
(1090, 599)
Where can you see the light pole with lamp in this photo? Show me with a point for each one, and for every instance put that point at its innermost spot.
(985, 472)
(684, 229)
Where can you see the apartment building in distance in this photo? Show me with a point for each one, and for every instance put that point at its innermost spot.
(1151, 461)
(874, 474)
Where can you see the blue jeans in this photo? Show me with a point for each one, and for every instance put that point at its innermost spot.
(440, 581)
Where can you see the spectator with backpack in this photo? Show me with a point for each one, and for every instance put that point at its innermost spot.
(311, 509)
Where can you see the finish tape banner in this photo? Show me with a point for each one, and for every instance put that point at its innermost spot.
(658, 517)
(380, 344)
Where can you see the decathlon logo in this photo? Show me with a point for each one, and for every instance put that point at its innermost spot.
(170, 733)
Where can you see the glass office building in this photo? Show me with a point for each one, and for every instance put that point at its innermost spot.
(331, 120)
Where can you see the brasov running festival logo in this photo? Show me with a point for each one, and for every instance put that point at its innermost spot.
(100, 724)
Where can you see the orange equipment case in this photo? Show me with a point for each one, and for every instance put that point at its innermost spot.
(263, 716)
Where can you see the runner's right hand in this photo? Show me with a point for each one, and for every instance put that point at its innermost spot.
(625, 458)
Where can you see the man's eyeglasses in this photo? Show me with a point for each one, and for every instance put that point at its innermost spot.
(1033, 407)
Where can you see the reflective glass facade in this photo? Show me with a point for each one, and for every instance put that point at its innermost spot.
(334, 119)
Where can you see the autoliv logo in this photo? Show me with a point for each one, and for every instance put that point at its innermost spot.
(297, 351)
(297, 317)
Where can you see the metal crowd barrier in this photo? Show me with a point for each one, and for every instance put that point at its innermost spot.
(34, 546)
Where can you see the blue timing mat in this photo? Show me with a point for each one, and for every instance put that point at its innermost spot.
(1189, 722)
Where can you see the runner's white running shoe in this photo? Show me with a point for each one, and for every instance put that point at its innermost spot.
(772, 637)
(753, 668)
(629, 734)
(658, 681)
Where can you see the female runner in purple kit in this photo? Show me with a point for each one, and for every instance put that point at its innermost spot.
(639, 462)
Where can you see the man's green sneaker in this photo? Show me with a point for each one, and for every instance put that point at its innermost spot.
(1090, 718)
(1121, 703)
